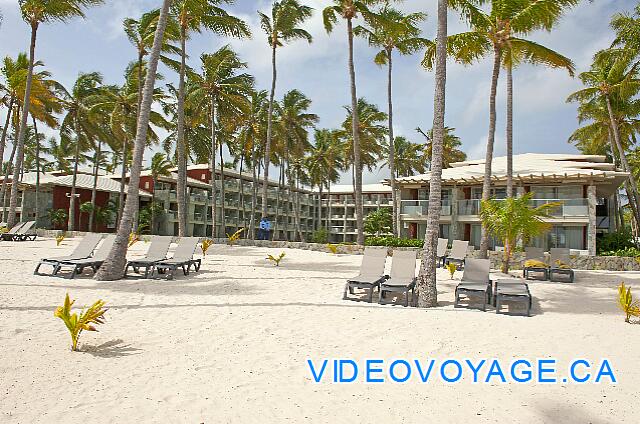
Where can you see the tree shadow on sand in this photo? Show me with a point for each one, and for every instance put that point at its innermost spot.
(111, 349)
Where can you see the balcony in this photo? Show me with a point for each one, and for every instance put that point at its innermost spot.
(469, 207)
(569, 208)
(421, 207)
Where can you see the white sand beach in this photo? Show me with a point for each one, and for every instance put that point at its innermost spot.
(230, 344)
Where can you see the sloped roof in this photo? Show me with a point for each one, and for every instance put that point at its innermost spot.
(530, 168)
(83, 181)
(366, 188)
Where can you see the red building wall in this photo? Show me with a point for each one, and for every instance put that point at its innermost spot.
(81, 221)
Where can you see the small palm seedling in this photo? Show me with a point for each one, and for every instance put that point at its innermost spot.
(233, 238)
(452, 268)
(60, 238)
(133, 238)
(333, 248)
(75, 324)
(206, 244)
(626, 302)
(274, 260)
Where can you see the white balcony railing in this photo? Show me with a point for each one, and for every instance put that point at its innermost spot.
(421, 207)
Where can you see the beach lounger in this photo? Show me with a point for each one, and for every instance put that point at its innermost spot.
(78, 265)
(8, 236)
(441, 251)
(475, 281)
(157, 252)
(559, 266)
(182, 258)
(371, 273)
(535, 272)
(512, 291)
(402, 278)
(25, 232)
(82, 250)
(458, 253)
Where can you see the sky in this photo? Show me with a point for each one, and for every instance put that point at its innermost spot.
(543, 120)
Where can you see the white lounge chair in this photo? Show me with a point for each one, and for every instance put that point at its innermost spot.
(403, 276)
(371, 273)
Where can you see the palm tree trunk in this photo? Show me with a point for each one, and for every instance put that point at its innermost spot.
(6, 177)
(26, 104)
(319, 221)
(5, 130)
(486, 184)
(37, 194)
(71, 223)
(94, 188)
(329, 209)
(214, 149)
(223, 212)
(632, 187)
(254, 195)
(426, 287)
(392, 166)
(297, 214)
(509, 131)
(123, 177)
(113, 267)
(357, 162)
(182, 171)
(267, 147)
(140, 61)
(153, 205)
(241, 182)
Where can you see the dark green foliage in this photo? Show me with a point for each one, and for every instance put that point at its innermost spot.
(393, 242)
(378, 222)
(618, 241)
(321, 235)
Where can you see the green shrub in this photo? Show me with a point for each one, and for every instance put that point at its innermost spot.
(320, 235)
(618, 241)
(628, 252)
(378, 222)
(393, 242)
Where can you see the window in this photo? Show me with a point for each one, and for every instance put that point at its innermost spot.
(146, 185)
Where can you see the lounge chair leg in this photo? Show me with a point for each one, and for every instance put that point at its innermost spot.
(344, 295)
(370, 299)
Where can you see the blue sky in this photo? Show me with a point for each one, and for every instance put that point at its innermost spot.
(542, 120)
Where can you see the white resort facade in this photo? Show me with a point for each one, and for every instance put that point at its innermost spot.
(584, 184)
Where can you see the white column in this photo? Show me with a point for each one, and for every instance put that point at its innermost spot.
(591, 229)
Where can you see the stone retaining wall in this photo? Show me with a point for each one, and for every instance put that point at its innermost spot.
(605, 263)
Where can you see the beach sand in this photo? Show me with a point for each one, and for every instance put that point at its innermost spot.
(230, 344)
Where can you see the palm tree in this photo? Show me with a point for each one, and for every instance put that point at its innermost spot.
(294, 122)
(409, 158)
(44, 104)
(78, 124)
(349, 10)
(323, 165)
(193, 16)
(426, 285)
(612, 79)
(140, 34)
(120, 104)
(253, 132)
(281, 27)
(393, 31)
(160, 167)
(221, 86)
(34, 13)
(512, 219)
(494, 32)
(450, 147)
(113, 267)
(627, 28)
(372, 134)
